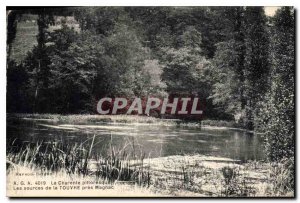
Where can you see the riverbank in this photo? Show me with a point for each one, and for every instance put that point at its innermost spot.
(127, 120)
(127, 167)
(192, 176)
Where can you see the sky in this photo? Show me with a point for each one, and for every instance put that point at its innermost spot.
(270, 10)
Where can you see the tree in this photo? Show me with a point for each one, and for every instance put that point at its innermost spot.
(99, 19)
(241, 63)
(185, 67)
(74, 60)
(229, 65)
(37, 63)
(125, 57)
(257, 61)
(17, 98)
(153, 83)
(277, 112)
(225, 92)
(278, 109)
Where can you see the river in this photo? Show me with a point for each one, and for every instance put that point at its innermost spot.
(148, 140)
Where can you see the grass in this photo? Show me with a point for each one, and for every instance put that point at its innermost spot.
(188, 175)
(220, 123)
(125, 119)
(76, 159)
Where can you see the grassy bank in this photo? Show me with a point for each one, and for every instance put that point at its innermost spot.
(186, 175)
(125, 119)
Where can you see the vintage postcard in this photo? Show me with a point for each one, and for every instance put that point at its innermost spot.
(150, 102)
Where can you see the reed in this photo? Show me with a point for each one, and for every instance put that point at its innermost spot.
(129, 167)
(78, 159)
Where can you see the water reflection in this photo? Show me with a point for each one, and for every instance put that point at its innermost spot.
(154, 141)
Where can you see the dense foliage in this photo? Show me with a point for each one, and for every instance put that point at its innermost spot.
(237, 59)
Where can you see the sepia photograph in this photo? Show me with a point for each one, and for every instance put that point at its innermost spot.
(150, 101)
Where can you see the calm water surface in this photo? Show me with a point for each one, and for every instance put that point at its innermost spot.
(154, 141)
